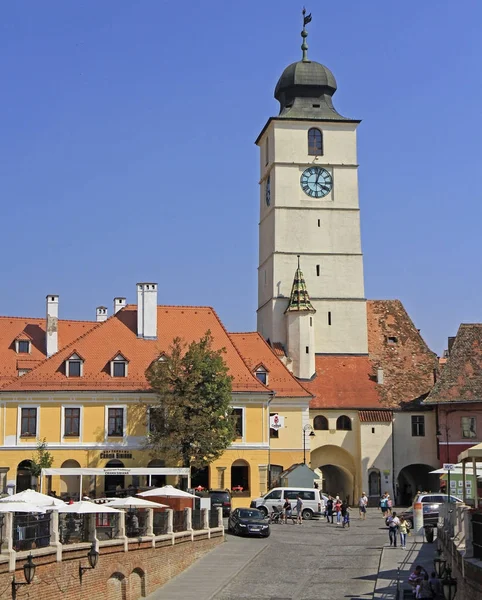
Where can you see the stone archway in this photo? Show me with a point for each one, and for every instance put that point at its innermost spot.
(240, 475)
(338, 470)
(413, 478)
(70, 484)
(24, 476)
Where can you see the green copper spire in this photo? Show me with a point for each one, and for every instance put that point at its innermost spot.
(299, 298)
(304, 35)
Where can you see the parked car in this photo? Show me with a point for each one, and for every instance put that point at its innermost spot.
(430, 515)
(313, 500)
(248, 521)
(221, 499)
(435, 498)
(430, 506)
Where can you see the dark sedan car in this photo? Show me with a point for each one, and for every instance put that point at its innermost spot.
(430, 515)
(248, 521)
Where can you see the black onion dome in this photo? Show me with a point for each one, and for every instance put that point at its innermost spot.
(305, 90)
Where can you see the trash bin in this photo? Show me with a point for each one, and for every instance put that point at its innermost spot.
(429, 533)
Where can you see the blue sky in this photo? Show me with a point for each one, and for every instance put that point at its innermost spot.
(127, 149)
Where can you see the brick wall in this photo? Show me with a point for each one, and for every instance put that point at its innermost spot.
(119, 575)
(468, 572)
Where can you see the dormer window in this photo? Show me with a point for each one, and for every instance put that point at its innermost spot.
(118, 366)
(262, 374)
(74, 366)
(22, 346)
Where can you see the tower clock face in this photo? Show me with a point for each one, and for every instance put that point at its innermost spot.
(316, 182)
(267, 196)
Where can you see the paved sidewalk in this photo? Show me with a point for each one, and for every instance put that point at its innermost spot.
(212, 572)
(396, 565)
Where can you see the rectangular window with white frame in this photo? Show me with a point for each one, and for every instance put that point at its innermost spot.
(238, 414)
(72, 422)
(115, 421)
(28, 422)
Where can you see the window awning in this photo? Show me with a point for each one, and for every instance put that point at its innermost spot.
(180, 471)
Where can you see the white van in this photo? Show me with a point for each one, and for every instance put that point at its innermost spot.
(313, 500)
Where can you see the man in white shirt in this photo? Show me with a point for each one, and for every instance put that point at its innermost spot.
(393, 526)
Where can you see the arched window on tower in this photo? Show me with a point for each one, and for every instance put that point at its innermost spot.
(343, 423)
(315, 142)
(320, 423)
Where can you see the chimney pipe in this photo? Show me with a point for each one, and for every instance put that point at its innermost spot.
(119, 303)
(147, 311)
(101, 314)
(52, 325)
(380, 377)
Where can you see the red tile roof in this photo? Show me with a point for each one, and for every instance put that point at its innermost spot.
(118, 334)
(343, 382)
(396, 347)
(12, 328)
(255, 352)
(375, 416)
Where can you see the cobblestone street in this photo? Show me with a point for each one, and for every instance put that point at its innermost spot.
(312, 561)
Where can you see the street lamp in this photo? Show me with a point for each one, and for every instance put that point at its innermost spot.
(93, 557)
(449, 585)
(306, 428)
(29, 573)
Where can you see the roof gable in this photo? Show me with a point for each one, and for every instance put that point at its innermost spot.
(118, 336)
(461, 378)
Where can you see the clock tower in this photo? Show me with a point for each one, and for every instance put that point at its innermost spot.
(309, 209)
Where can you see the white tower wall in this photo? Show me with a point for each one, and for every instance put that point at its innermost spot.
(301, 343)
(52, 325)
(325, 232)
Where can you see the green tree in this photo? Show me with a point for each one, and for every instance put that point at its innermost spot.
(191, 423)
(42, 459)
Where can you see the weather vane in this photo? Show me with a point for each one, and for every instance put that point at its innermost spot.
(304, 34)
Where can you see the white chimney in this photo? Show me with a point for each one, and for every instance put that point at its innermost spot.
(52, 325)
(380, 376)
(101, 314)
(147, 311)
(119, 303)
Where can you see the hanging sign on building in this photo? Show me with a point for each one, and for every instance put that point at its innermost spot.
(276, 422)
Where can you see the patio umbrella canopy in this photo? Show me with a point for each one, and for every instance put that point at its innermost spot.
(133, 502)
(167, 491)
(24, 507)
(85, 508)
(34, 497)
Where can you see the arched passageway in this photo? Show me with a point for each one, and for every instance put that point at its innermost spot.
(413, 478)
(70, 484)
(338, 471)
(200, 477)
(114, 482)
(240, 475)
(24, 476)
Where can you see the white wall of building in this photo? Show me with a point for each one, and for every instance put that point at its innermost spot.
(414, 450)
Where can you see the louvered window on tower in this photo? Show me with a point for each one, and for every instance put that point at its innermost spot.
(315, 142)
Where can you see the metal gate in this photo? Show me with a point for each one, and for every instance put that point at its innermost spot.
(477, 534)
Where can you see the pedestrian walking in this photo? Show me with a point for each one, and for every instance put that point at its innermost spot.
(329, 509)
(345, 514)
(393, 526)
(384, 504)
(337, 509)
(389, 504)
(299, 510)
(362, 506)
(404, 529)
(287, 514)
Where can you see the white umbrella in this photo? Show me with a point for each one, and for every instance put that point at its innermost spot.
(25, 507)
(84, 507)
(168, 492)
(33, 497)
(135, 503)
